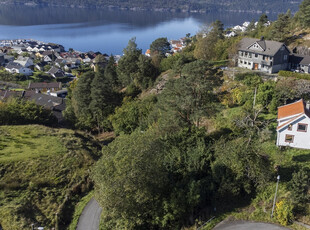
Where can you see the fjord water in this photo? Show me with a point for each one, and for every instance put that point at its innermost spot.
(104, 30)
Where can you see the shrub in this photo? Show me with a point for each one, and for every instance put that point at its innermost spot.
(284, 212)
(284, 73)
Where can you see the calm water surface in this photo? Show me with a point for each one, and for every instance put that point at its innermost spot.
(105, 30)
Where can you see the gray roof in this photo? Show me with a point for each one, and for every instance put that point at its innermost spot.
(13, 65)
(300, 59)
(42, 85)
(45, 100)
(270, 48)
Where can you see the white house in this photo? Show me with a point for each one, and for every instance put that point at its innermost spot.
(24, 61)
(14, 67)
(293, 123)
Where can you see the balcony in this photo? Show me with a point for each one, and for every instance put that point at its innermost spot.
(265, 62)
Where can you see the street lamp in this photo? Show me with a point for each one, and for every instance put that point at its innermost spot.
(275, 196)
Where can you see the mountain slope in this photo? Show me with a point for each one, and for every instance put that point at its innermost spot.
(175, 5)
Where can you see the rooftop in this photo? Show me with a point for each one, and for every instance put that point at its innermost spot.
(292, 109)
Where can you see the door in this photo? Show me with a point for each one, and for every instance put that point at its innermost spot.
(255, 66)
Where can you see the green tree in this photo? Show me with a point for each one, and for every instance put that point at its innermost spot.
(160, 46)
(128, 64)
(19, 112)
(103, 100)
(299, 186)
(207, 40)
(81, 99)
(189, 98)
(131, 182)
(146, 73)
(263, 19)
(110, 73)
(280, 28)
(304, 13)
(131, 115)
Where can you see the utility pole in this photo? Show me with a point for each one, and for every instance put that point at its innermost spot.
(254, 101)
(56, 223)
(275, 196)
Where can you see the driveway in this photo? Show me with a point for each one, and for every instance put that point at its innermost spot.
(90, 218)
(245, 225)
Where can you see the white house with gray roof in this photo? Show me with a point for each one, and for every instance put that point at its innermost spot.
(14, 67)
(263, 55)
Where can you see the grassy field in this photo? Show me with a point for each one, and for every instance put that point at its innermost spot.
(43, 171)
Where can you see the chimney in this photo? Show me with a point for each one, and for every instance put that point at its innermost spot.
(262, 38)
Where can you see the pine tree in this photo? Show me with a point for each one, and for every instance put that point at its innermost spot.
(304, 13)
(102, 100)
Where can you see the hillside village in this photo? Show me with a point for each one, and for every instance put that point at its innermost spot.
(203, 125)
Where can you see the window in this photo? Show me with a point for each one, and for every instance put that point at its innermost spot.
(302, 127)
(264, 57)
(285, 57)
(256, 55)
(249, 63)
(271, 63)
(245, 63)
(289, 138)
(250, 55)
(289, 128)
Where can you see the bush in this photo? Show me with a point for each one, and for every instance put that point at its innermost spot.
(19, 112)
(284, 212)
(284, 73)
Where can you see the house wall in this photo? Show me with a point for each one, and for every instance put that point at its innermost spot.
(304, 68)
(25, 71)
(301, 139)
(263, 61)
(281, 60)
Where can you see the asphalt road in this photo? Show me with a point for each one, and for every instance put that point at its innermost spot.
(244, 225)
(90, 218)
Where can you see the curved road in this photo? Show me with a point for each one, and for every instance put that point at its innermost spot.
(246, 225)
(90, 218)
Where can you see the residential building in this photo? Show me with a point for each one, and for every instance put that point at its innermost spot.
(24, 61)
(300, 63)
(44, 87)
(293, 123)
(55, 72)
(263, 55)
(14, 67)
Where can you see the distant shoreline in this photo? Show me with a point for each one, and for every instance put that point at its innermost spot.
(113, 7)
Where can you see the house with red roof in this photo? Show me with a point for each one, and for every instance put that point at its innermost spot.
(293, 124)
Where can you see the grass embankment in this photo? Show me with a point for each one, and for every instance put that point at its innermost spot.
(43, 171)
(79, 209)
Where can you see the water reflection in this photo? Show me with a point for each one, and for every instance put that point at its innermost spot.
(102, 29)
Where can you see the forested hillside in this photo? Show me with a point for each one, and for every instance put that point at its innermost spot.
(175, 5)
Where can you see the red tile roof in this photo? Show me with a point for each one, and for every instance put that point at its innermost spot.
(291, 109)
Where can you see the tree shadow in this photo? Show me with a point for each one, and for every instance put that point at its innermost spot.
(302, 158)
(286, 172)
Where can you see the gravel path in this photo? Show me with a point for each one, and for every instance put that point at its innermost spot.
(90, 218)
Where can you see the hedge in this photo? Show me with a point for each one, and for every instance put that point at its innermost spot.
(284, 73)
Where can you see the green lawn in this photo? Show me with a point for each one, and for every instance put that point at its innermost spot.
(26, 142)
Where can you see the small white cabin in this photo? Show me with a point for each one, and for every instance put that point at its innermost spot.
(293, 124)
